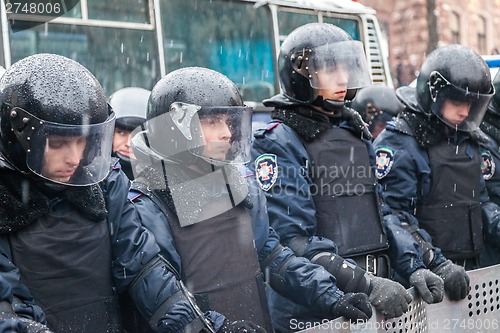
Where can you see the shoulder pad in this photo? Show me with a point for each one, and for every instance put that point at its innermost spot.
(246, 171)
(133, 194)
(261, 131)
(139, 187)
(402, 126)
(115, 164)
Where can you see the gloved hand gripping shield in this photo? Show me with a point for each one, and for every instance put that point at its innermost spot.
(340, 58)
(83, 152)
(440, 90)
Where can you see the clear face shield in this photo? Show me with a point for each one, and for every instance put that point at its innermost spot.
(458, 108)
(220, 135)
(334, 66)
(74, 155)
(173, 142)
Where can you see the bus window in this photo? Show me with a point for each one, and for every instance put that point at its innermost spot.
(117, 57)
(120, 10)
(351, 26)
(233, 38)
(288, 21)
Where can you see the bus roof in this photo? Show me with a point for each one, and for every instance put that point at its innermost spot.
(339, 6)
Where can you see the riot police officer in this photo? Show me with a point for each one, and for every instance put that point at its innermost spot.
(194, 193)
(129, 105)
(314, 162)
(490, 156)
(376, 104)
(68, 237)
(430, 162)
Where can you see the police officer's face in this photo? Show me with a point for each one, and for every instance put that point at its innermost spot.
(331, 83)
(62, 156)
(121, 143)
(217, 136)
(455, 112)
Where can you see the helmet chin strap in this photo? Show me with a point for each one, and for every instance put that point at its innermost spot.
(329, 107)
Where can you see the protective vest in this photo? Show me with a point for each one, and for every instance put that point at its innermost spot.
(451, 213)
(220, 265)
(74, 288)
(343, 190)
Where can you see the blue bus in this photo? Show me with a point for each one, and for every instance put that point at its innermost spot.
(136, 42)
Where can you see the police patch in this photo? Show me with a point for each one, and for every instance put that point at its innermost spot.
(384, 161)
(266, 168)
(487, 165)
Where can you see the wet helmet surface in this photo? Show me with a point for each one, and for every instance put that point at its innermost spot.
(319, 45)
(129, 105)
(179, 102)
(456, 73)
(49, 94)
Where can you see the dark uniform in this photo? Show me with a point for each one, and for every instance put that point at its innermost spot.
(70, 244)
(306, 213)
(315, 163)
(208, 215)
(490, 155)
(429, 163)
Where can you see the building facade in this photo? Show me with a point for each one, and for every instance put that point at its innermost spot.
(474, 23)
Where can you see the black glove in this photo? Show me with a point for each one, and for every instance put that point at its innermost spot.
(429, 285)
(240, 326)
(389, 297)
(353, 306)
(456, 281)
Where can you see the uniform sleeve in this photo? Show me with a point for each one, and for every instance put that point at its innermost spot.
(491, 177)
(142, 269)
(291, 209)
(295, 278)
(401, 169)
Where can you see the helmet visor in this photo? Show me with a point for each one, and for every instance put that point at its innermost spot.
(458, 108)
(220, 135)
(338, 64)
(76, 155)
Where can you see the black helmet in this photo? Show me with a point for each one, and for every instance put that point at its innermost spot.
(129, 105)
(178, 105)
(380, 97)
(458, 73)
(44, 96)
(376, 104)
(317, 46)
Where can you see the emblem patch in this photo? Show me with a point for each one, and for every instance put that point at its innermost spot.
(487, 165)
(266, 167)
(384, 161)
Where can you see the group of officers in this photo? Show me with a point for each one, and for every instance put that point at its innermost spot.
(161, 210)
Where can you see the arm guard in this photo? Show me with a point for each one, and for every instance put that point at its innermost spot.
(350, 278)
